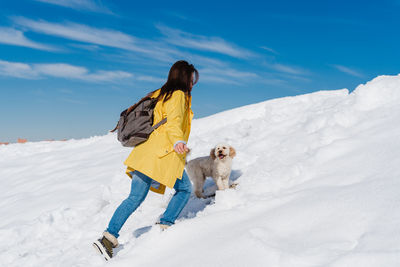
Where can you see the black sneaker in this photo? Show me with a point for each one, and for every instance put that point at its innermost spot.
(104, 247)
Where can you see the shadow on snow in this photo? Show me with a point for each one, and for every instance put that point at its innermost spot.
(195, 204)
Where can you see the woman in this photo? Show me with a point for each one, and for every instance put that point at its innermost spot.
(161, 158)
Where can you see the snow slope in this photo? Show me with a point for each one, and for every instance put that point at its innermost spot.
(319, 185)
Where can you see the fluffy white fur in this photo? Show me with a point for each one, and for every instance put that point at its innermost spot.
(217, 165)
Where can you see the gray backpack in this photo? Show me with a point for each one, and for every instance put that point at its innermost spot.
(135, 123)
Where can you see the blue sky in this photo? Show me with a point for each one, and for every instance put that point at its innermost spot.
(67, 68)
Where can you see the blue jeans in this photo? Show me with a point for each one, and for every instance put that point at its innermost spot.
(139, 188)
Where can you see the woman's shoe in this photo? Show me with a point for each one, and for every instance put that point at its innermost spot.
(163, 226)
(105, 245)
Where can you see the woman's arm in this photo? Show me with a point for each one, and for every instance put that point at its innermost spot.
(176, 111)
(181, 148)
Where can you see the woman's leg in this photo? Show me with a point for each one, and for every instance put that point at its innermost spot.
(183, 188)
(139, 188)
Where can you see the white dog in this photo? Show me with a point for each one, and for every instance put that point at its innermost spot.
(217, 165)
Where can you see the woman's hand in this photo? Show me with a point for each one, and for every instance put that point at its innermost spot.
(181, 148)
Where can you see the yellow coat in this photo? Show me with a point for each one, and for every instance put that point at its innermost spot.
(156, 157)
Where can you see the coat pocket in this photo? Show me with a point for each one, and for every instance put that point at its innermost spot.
(162, 152)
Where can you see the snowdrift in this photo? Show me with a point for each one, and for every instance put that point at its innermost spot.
(319, 185)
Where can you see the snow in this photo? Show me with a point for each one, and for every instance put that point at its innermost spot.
(319, 185)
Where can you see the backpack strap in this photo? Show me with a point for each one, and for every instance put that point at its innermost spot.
(135, 105)
(128, 110)
(116, 127)
(159, 124)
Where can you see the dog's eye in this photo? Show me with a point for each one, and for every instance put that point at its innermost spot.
(224, 147)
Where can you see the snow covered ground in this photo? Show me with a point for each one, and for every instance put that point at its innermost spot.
(319, 185)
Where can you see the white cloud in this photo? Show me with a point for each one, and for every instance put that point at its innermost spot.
(107, 76)
(58, 70)
(216, 79)
(226, 75)
(272, 81)
(205, 43)
(89, 5)
(82, 33)
(12, 36)
(94, 38)
(88, 47)
(204, 61)
(229, 72)
(146, 78)
(269, 49)
(101, 37)
(348, 70)
(294, 77)
(18, 70)
(288, 69)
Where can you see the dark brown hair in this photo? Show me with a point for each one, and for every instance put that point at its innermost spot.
(180, 77)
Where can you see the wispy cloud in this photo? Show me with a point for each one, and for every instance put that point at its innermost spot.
(269, 49)
(348, 70)
(178, 15)
(93, 38)
(82, 33)
(205, 43)
(146, 78)
(218, 79)
(272, 81)
(88, 47)
(294, 77)
(59, 70)
(86, 5)
(101, 37)
(226, 75)
(228, 72)
(15, 69)
(67, 71)
(12, 36)
(287, 69)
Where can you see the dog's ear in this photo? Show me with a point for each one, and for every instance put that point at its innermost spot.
(212, 154)
(232, 152)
